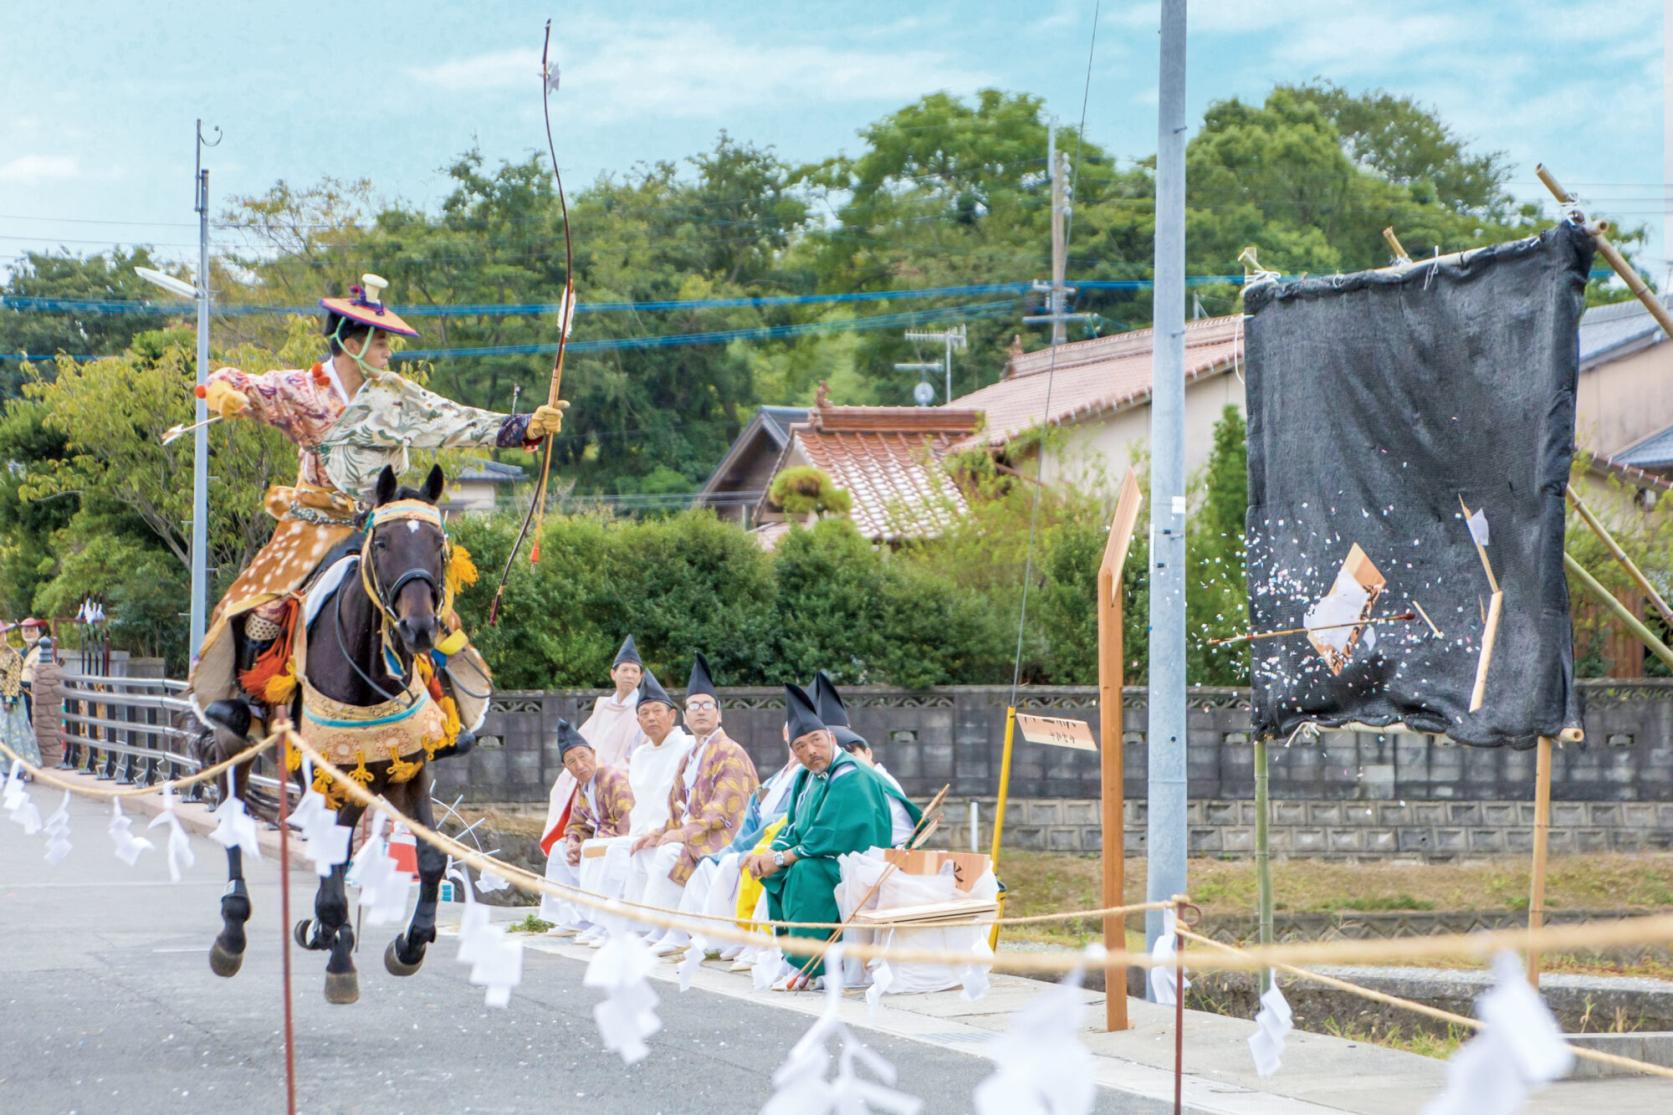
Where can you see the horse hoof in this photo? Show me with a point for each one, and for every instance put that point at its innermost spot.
(223, 963)
(304, 929)
(393, 963)
(342, 988)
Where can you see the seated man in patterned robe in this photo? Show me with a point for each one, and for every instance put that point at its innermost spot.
(705, 805)
(603, 808)
(837, 806)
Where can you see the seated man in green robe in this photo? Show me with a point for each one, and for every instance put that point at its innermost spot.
(837, 806)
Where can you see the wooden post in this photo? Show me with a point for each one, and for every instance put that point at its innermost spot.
(1542, 832)
(999, 816)
(1263, 855)
(1112, 770)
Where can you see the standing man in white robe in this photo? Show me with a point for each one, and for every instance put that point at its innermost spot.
(650, 771)
(613, 731)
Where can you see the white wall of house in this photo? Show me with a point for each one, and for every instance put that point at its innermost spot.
(1625, 401)
(1099, 450)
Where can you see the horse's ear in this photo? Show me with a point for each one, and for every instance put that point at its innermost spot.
(386, 487)
(433, 485)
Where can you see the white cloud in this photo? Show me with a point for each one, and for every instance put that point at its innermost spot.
(697, 71)
(32, 169)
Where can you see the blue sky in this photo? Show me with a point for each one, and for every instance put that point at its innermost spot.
(100, 96)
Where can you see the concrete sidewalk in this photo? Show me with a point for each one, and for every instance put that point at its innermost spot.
(1320, 1074)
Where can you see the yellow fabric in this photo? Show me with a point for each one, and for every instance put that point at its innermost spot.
(749, 887)
(547, 421)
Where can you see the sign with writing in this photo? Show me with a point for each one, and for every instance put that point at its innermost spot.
(1056, 732)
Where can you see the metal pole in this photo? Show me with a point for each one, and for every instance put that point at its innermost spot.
(1166, 831)
(200, 436)
(1059, 245)
(947, 366)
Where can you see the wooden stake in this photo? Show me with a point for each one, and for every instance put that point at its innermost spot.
(1609, 252)
(999, 815)
(1489, 636)
(1400, 255)
(1620, 555)
(1263, 856)
(1542, 833)
(1112, 770)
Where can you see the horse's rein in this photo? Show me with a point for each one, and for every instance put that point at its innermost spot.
(401, 510)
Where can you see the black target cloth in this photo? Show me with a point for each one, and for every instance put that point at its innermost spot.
(1376, 401)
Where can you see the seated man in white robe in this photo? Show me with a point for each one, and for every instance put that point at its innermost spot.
(650, 771)
(603, 806)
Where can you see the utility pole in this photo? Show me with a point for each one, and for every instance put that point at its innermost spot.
(1057, 291)
(200, 436)
(1166, 832)
(951, 340)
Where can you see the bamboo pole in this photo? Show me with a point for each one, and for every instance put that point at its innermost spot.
(1489, 638)
(1620, 555)
(1622, 612)
(1609, 252)
(1542, 834)
(1112, 769)
(999, 816)
(1263, 856)
(1400, 256)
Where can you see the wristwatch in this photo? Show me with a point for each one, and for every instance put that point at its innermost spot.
(778, 858)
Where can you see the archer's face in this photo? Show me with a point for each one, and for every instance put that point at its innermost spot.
(375, 352)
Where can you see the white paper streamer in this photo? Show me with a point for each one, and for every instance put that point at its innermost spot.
(1162, 978)
(689, 963)
(801, 1083)
(1040, 1065)
(488, 881)
(495, 956)
(57, 831)
(627, 1016)
(326, 842)
(383, 886)
(1521, 1050)
(128, 846)
(15, 800)
(1273, 1022)
(180, 854)
(234, 827)
(882, 978)
(769, 962)
(1477, 522)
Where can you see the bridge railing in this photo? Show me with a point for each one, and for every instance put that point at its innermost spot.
(135, 731)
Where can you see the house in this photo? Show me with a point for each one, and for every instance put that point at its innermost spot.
(1097, 393)
(476, 486)
(890, 460)
(734, 489)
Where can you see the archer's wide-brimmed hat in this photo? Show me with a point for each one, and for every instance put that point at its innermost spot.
(365, 306)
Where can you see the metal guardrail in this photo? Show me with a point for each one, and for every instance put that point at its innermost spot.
(135, 731)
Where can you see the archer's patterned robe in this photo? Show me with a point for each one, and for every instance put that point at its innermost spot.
(342, 444)
(708, 815)
(602, 809)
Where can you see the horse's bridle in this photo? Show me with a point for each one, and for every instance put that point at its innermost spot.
(401, 510)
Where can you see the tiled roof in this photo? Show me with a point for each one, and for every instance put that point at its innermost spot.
(1094, 377)
(1655, 451)
(1611, 331)
(889, 460)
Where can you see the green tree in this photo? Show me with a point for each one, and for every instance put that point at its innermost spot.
(1217, 604)
(78, 330)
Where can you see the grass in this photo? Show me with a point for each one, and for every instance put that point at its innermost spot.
(1042, 882)
(1395, 1036)
(530, 924)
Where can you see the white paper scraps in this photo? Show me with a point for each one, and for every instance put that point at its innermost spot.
(769, 962)
(882, 978)
(627, 1016)
(1039, 1062)
(57, 830)
(383, 885)
(326, 842)
(1272, 1024)
(1162, 977)
(801, 1083)
(1368, 640)
(1477, 522)
(180, 855)
(1522, 1049)
(15, 800)
(488, 881)
(495, 956)
(128, 846)
(690, 962)
(234, 828)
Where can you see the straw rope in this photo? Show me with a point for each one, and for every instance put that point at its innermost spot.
(1480, 945)
(1595, 1055)
(50, 779)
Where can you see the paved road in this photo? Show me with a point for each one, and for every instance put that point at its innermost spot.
(107, 1004)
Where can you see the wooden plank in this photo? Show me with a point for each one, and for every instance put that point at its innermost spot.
(1111, 757)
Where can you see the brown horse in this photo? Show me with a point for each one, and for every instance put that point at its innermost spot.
(360, 696)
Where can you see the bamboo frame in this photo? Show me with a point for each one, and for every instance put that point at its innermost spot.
(1542, 835)
(1620, 555)
(1112, 769)
(1263, 853)
(1609, 252)
(1400, 256)
(1622, 612)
